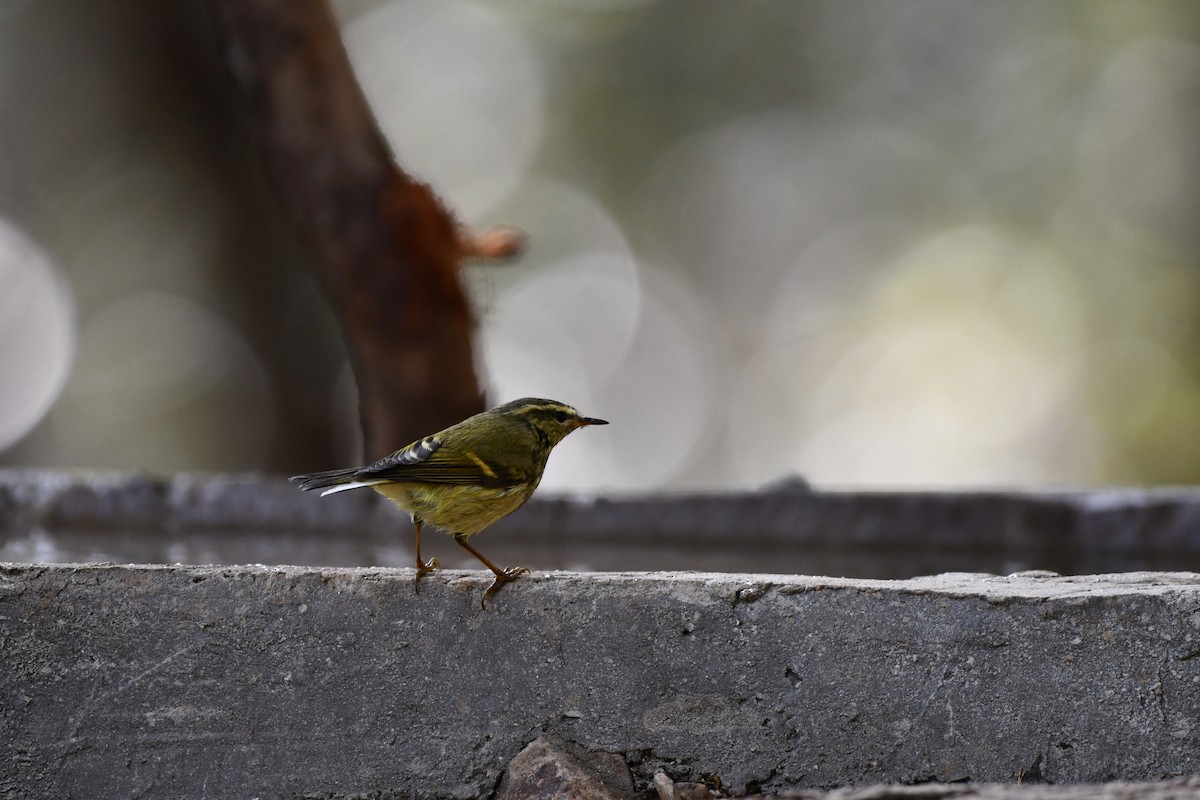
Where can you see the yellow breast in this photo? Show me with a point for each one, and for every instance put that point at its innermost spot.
(456, 509)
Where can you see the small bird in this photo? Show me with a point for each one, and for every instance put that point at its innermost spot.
(466, 477)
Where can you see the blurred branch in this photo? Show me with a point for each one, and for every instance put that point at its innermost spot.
(387, 249)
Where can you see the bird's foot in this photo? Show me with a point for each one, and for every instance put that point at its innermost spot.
(502, 577)
(423, 569)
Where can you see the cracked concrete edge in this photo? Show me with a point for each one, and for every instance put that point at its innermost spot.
(1179, 789)
(732, 587)
(344, 682)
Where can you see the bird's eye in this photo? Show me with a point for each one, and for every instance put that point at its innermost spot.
(561, 416)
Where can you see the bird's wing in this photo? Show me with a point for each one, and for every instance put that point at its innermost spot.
(425, 461)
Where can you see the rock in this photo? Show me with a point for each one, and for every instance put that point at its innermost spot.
(664, 786)
(552, 769)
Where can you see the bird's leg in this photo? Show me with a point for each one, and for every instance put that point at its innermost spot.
(503, 576)
(423, 567)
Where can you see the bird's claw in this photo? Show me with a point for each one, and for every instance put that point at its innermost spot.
(423, 569)
(504, 576)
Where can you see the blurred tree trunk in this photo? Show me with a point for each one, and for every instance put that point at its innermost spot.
(388, 251)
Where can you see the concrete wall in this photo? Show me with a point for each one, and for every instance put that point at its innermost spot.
(160, 681)
(198, 519)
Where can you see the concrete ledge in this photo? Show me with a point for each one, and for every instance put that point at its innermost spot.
(222, 519)
(300, 682)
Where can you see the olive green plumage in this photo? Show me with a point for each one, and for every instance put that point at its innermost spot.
(466, 477)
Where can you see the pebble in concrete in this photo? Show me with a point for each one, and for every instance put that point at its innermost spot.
(550, 768)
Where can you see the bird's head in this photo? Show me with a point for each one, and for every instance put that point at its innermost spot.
(550, 419)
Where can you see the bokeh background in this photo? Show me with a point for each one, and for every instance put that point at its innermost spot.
(876, 244)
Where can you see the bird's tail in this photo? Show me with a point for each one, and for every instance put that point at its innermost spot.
(333, 480)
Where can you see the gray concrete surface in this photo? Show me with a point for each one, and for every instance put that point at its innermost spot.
(159, 681)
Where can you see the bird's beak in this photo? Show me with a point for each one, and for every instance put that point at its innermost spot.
(591, 421)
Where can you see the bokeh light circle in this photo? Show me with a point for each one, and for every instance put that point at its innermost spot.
(37, 323)
(458, 92)
(1137, 158)
(155, 379)
(562, 321)
(952, 370)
